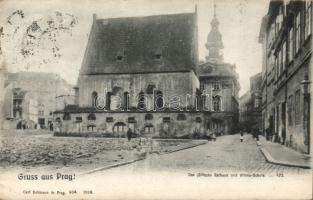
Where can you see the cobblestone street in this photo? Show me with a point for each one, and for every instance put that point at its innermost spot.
(226, 154)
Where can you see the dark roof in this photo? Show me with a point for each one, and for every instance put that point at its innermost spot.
(139, 41)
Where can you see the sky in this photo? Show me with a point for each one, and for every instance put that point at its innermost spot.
(240, 22)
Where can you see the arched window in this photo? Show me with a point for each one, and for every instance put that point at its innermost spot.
(141, 101)
(94, 97)
(216, 101)
(158, 100)
(119, 127)
(91, 116)
(126, 101)
(108, 100)
(149, 129)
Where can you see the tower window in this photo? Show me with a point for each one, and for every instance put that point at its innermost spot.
(157, 56)
(216, 85)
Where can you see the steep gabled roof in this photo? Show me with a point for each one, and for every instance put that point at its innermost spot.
(142, 44)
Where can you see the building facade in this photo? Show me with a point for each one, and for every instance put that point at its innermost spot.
(250, 106)
(286, 38)
(30, 98)
(140, 73)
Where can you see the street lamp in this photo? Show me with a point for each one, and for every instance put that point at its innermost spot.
(305, 88)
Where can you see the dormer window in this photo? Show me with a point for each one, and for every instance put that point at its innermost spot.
(157, 55)
(120, 56)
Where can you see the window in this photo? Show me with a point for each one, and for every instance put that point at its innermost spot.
(158, 100)
(120, 56)
(66, 116)
(141, 101)
(308, 18)
(119, 127)
(216, 85)
(149, 129)
(181, 117)
(290, 38)
(94, 97)
(283, 57)
(166, 119)
(216, 103)
(297, 107)
(148, 117)
(79, 119)
(109, 119)
(157, 55)
(298, 32)
(290, 110)
(131, 120)
(126, 101)
(198, 119)
(91, 116)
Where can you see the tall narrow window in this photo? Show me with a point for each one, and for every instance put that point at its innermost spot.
(216, 85)
(126, 101)
(290, 38)
(308, 18)
(158, 100)
(297, 107)
(108, 100)
(298, 32)
(216, 103)
(94, 97)
(284, 57)
(290, 110)
(141, 101)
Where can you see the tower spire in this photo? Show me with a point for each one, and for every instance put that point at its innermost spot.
(214, 40)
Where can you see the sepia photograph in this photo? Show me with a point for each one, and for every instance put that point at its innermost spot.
(143, 99)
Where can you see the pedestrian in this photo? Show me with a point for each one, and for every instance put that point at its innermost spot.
(208, 134)
(214, 137)
(241, 136)
(283, 132)
(129, 134)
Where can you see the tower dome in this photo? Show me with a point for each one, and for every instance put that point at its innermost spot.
(214, 41)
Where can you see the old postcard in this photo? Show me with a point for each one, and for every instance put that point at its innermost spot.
(143, 99)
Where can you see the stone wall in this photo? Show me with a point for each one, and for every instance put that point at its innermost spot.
(178, 84)
(157, 124)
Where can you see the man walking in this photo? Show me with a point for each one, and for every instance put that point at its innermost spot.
(129, 134)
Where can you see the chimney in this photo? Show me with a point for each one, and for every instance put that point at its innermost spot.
(94, 17)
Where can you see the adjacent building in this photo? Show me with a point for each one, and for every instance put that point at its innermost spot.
(30, 98)
(142, 73)
(286, 38)
(250, 106)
